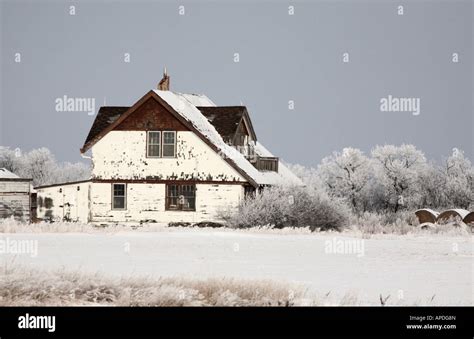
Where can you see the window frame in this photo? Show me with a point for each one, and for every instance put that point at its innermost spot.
(179, 192)
(114, 196)
(163, 144)
(148, 144)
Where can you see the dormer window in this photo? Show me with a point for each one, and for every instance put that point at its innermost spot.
(161, 144)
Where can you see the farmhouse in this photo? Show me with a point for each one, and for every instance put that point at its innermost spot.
(170, 157)
(15, 198)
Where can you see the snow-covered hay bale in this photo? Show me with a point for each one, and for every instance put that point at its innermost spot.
(426, 215)
(469, 219)
(453, 215)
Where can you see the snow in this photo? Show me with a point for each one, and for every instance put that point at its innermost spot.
(283, 171)
(410, 269)
(6, 174)
(198, 100)
(185, 105)
(461, 212)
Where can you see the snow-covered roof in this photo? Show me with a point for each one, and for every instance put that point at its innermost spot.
(6, 174)
(185, 105)
(198, 100)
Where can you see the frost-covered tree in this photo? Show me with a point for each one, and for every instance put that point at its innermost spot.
(10, 159)
(68, 172)
(397, 170)
(346, 174)
(432, 182)
(309, 175)
(41, 166)
(459, 176)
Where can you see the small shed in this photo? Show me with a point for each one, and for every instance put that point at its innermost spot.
(426, 215)
(14, 196)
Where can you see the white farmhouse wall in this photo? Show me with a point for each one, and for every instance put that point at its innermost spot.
(67, 200)
(146, 202)
(122, 155)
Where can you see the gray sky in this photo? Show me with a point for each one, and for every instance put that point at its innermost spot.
(282, 57)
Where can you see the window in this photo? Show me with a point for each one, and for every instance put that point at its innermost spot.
(153, 144)
(119, 193)
(161, 144)
(169, 142)
(181, 197)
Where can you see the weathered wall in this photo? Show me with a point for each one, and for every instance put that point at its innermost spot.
(58, 202)
(122, 155)
(15, 199)
(147, 202)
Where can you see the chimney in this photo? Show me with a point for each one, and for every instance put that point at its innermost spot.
(164, 84)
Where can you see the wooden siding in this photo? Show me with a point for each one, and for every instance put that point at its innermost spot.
(15, 199)
(149, 117)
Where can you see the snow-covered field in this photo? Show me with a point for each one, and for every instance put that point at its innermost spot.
(412, 270)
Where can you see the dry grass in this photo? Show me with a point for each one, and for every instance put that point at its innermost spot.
(21, 286)
(14, 226)
(31, 287)
(365, 226)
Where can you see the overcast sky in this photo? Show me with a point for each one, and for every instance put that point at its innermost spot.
(282, 58)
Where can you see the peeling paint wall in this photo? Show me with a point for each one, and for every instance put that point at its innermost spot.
(68, 201)
(146, 202)
(122, 155)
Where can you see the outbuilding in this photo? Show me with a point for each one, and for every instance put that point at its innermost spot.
(15, 196)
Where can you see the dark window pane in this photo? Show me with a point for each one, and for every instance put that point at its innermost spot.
(119, 189)
(168, 150)
(168, 137)
(172, 190)
(154, 138)
(119, 202)
(153, 150)
(190, 203)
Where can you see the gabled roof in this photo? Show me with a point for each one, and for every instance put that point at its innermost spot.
(105, 117)
(226, 119)
(183, 107)
(6, 174)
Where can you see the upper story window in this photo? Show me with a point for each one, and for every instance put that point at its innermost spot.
(153, 144)
(161, 144)
(169, 144)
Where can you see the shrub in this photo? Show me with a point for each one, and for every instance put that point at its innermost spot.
(289, 207)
